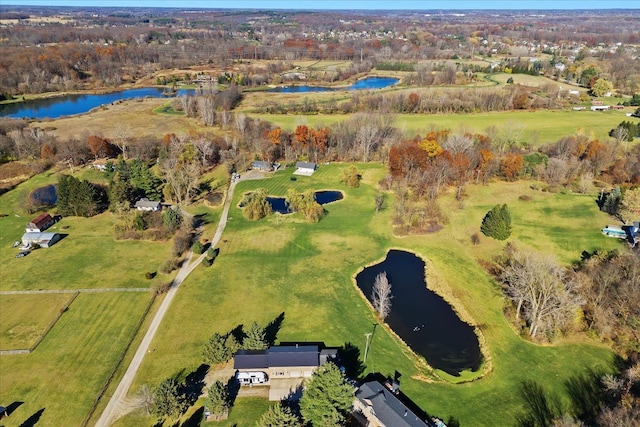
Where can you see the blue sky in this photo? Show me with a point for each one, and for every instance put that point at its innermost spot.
(344, 4)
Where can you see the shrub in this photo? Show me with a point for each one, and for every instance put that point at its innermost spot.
(161, 288)
(208, 262)
(169, 265)
(475, 239)
(149, 275)
(197, 248)
(181, 242)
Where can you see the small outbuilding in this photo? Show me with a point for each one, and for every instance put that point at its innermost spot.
(40, 223)
(145, 204)
(44, 240)
(305, 168)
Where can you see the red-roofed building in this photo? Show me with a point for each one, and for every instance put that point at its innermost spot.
(40, 223)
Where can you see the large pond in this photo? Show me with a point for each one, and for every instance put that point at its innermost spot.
(279, 204)
(67, 105)
(368, 83)
(425, 321)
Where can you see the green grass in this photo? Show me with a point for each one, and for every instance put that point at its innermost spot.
(305, 271)
(87, 257)
(539, 127)
(63, 377)
(20, 325)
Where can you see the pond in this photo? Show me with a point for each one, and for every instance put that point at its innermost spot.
(421, 318)
(67, 105)
(368, 83)
(279, 204)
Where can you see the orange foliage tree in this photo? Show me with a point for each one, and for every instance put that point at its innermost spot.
(511, 165)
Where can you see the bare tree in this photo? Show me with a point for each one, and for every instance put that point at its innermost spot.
(381, 295)
(542, 292)
(122, 134)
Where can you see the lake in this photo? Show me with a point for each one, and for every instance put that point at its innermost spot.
(364, 84)
(423, 319)
(67, 105)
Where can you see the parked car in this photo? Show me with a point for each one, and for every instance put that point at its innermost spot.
(22, 254)
(17, 243)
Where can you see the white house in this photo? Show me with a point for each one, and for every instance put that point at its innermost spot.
(305, 168)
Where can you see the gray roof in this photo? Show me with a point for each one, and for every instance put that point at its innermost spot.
(386, 406)
(35, 236)
(146, 203)
(277, 357)
(306, 165)
(261, 164)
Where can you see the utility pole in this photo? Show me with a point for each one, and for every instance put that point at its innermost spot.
(366, 348)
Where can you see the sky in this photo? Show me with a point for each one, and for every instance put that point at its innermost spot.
(342, 4)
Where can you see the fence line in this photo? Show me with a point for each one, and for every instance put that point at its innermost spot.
(73, 291)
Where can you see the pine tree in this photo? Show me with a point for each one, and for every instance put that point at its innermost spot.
(216, 350)
(279, 416)
(167, 400)
(497, 223)
(218, 402)
(327, 398)
(255, 338)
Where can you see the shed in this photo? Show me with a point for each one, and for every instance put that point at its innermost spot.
(145, 204)
(305, 168)
(40, 223)
(44, 240)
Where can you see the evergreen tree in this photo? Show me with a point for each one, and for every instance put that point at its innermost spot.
(167, 400)
(76, 198)
(218, 402)
(279, 416)
(255, 338)
(172, 219)
(327, 398)
(497, 223)
(216, 350)
(120, 194)
(612, 200)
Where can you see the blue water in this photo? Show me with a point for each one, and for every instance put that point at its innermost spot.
(279, 204)
(422, 318)
(68, 105)
(368, 83)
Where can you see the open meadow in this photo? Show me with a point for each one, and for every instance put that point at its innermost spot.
(84, 330)
(283, 266)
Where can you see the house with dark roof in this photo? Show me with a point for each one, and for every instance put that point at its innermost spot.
(145, 204)
(305, 168)
(262, 165)
(282, 368)
(382, 408)
(40, 223)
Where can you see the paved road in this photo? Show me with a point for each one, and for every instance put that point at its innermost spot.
(116, 405)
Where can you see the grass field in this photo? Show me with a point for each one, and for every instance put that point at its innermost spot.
(59, 382)
(534, 81)
(21, 325)
(539, 127)
(305, 271)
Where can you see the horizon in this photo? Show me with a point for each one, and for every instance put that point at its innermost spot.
(373, 5)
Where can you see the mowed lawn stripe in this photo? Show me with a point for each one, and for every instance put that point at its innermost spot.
(66, 372)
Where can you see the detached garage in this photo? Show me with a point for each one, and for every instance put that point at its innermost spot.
(44, 240)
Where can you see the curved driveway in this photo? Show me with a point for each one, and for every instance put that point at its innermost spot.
(116, 403)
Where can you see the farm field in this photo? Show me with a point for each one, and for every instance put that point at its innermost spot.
(282, 266)
(534, 81)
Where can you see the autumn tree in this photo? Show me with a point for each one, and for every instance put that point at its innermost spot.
(180, 169)
(511, 165)
(351, 177)
(630, 206)
(601, 87)
(256, 205)
(381, 295)
(497, 223)
(101, 147)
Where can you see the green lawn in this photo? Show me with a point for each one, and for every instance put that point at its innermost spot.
(539, 127)
(25, 318)
(305, 271)
(60, 381)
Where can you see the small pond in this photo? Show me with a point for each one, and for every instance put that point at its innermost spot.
(368, 83)
(425, 321)
(278, 204)
(67, 105)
